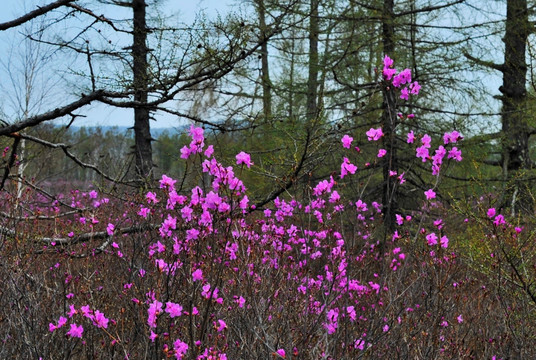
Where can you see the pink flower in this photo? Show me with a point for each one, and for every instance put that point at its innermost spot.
(361, 206)
(86, 311)
(491, 212)
(151, 197)
(411, 137)
(455, 154)
(185, 152)
(167, 182)
(404, 77)
(281, 352)
(415, 88)
(374, 134)
(197, 275)
(144, 211)
(181, 348)
(431, 239)
(499, 220)
(93, 194)
(426, 141)
(430, 194)
(381, 153)
(241, 301)
(221, 326)
(209, 151)
(347, 167)
(62, 321)
(422, 152)
(110, 229)
(75, 331)
(387, 61)
(243, 158)
(351, 312)
(100, 320)
(404, 94)
(444, 241)
(173, 309)
(388, 71)
(197, 134)
(154, 310)
(347, 141)
(451, 137)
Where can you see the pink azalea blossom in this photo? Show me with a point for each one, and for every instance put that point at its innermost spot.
(221, 325)
(75, 331)
(381, 153)
(404, 94)
(374, 134)
(173, 309)
(347, 141)
(100, 320)
(181, 348)
(281, 353)
(430, 194)
(361, 206)
(151, 197)
(422, 152)
(197, 134)
(455, 154)
(243, 158)
(110, 229)
(185, 152)
(431, 239)
(197, 275)
(347, 167)
(209, 151)
(167, 183)
(155, 309)
(62, 321)
(415, 88)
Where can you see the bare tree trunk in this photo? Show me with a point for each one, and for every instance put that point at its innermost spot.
(265, 70)
(389, 122)
(142, 131)
(312, 80)
(514, 96)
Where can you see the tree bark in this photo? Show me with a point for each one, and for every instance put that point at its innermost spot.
(265, 70)
(389, 122)
(142, 131)
(312, 79)
(515, 128)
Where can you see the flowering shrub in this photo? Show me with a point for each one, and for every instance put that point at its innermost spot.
(204, 274)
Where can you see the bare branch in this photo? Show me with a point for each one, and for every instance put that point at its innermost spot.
(65, 149)
(33, 14)
(488, 64)
(58, 112)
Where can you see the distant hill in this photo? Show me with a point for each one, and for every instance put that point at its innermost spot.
(155, 132)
